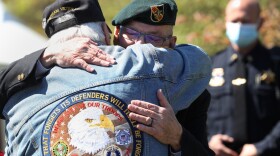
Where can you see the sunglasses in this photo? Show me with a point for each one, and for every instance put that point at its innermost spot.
(133, 35)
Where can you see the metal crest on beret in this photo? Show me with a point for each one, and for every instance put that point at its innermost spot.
(157, 13)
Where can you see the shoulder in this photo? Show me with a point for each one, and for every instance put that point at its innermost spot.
(220, 58)
(276, 49)
(275, 53)
(193, 52)
(190, 48)
(204, 98)
(219, 54)
(198, 60)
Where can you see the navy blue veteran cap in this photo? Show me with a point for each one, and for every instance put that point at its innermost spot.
(154, 12)
(63, 14)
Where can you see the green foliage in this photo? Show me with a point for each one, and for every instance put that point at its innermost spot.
(28, 11)
(199, 22)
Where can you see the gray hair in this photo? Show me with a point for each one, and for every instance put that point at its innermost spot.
(92, 30)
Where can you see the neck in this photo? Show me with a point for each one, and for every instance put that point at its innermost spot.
(244, 50)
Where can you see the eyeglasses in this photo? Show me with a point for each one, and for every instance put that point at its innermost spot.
(133, 35)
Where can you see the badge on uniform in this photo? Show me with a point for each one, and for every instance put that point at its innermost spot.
(157, 13)
(91, 123)
(267, 77)
(233, 57)
(239, 81)
(217, 77)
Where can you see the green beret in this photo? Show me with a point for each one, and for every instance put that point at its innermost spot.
(154, 12)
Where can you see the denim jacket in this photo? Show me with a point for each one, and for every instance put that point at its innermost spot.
(75, 112)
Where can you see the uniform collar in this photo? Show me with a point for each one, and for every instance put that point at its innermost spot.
(233, 55)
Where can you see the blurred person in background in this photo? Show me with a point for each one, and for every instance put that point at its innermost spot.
(244, 113)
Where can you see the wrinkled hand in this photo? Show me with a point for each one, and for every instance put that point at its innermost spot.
(216, 144)
(249, 150)
(76, 52)
(165, 127)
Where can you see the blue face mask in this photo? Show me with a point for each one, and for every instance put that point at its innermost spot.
(241, 34)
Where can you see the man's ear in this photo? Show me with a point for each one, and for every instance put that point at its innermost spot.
(116, 35)
(107, 32)
(173, 41)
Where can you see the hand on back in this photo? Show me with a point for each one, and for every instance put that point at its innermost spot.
(77, 52)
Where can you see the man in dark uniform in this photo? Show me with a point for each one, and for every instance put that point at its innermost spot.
(244, 113)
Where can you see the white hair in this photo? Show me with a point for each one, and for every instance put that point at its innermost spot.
(92, 30)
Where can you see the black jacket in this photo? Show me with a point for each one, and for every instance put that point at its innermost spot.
(262, 107)
(19, 74)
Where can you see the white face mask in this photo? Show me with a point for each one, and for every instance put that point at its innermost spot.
(242, 34)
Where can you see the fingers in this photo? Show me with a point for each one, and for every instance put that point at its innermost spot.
(80, 63)
(230, 152)
(89, 58)
(143, 108)
(141, 119)
(162, 99)
(216, 144)
(76, 52)
(226, 150)
(226, 138)
(82, 60)
(85, 39)
(223, 150)
(157, 121)
(89, 53)
(96, 50)
(98, 53)
(147, 129)
(87, 46)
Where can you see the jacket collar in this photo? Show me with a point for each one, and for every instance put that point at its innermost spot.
(233, 55)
